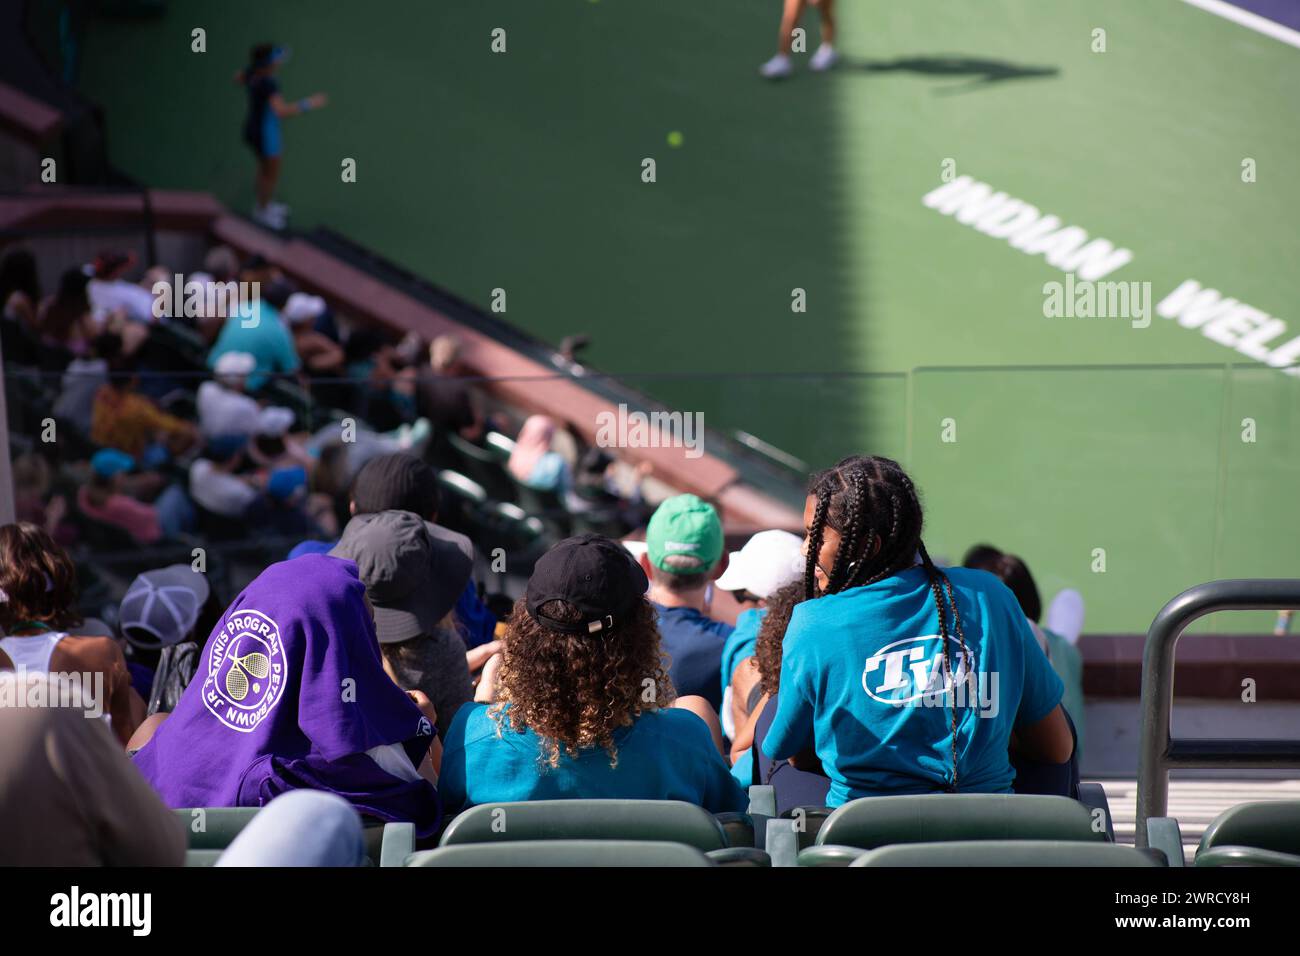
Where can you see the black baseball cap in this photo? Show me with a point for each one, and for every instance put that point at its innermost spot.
(591, 573)
(396, 482)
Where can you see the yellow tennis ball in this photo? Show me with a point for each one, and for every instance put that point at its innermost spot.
(675, 139)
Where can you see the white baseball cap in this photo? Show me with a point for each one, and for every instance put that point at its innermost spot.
(302, 307)
(161, 607)
(235, 363)
(274, 421)
(768, 562)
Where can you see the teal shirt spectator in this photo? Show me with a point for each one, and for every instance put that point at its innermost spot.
(665, 755)
(1068, 664)
(267, 340)
(854, 669)
(551, 473)
(741, 642)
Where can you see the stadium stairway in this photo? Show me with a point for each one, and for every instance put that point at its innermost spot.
(1193, 803)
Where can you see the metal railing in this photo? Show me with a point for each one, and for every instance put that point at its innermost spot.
(1159, 752)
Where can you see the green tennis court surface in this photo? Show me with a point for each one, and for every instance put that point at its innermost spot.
(522, 171)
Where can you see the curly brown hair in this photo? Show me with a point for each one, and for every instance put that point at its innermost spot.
(38, 579)
(771, 633)
(575, 690)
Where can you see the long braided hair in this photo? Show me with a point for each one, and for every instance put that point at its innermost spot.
(874, 506)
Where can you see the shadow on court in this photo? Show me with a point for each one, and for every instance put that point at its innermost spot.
(980, 72)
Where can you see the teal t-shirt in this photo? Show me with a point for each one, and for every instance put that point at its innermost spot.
(268, 341)
(862, 681)
(1068, 664)
(665, 755)
(741, 642)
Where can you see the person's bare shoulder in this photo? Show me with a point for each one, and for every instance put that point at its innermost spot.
(77, 652)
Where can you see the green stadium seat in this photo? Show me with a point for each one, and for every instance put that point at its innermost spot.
(879, 821)
(642, 820)
(202, 858)
(1019, 853)
(1270, 825)
(830, 854)
(214, 828)
(387, 844)
(1164, 834)
(738, 828)
(1245, 856)
(552, 853)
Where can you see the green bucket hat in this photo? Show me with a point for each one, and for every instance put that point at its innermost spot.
(684, 526)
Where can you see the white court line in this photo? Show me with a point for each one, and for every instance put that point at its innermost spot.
(1251, 21)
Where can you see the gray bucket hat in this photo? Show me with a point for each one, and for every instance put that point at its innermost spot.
(414, 571)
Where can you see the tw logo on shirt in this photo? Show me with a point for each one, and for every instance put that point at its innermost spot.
(910, 673)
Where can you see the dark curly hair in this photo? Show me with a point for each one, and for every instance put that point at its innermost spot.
(771, 634)
(575, 690)
(37, 578)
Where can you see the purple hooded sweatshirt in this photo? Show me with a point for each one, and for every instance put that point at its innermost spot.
(290, 694)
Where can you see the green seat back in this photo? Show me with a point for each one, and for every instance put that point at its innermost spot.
(202, 857)
(829, 855)
(1054, 853)
(879, 821)
(1224, 855)
(598, 853)
(738, 828)
(655, 820)
(1272, 825)
(214, 828)
(210, 830)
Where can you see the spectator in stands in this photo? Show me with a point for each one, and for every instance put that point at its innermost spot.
(580, 705)
(533, 463)
(82, 380)
(944, 725)
(122, 418)
(360, 444)
(38, 601)
(282, 510)
(414, 571)
(403, 482)
(105, 501)
(224, 406)
(1063, 655)
(257, 329)
(69, 796)
(291, 694)
(383, 387)
(683, 549)
(215, 484)
(110, 292)
(768, 562)
(750, 765)
(33, 502)
(20, 286)
(222, 264)
(162, 610)
(266, 107)
(273, 447)
(64, 321)
(444, 397)
(320, 355)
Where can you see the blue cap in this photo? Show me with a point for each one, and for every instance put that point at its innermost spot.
(285, 481)
(310, 547)
(108, 462)
(224, 446)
